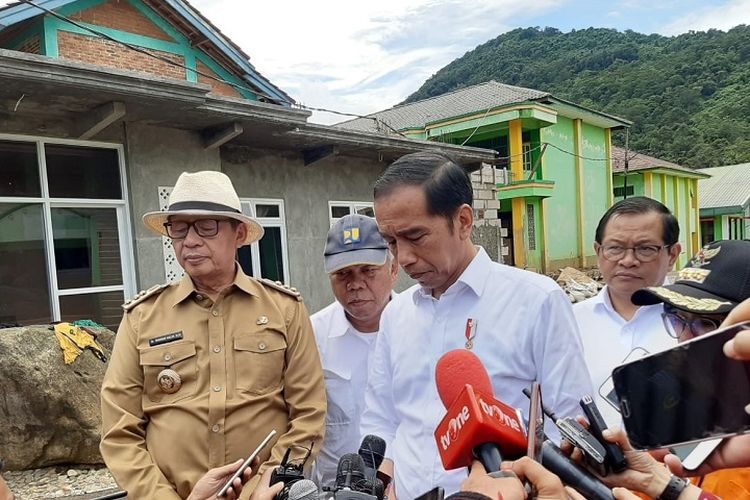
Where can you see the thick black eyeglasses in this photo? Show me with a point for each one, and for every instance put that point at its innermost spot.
(644, 253)
(684, 329)
(205, 228)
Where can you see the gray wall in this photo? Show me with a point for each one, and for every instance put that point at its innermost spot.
(306, 192)
(156, 156)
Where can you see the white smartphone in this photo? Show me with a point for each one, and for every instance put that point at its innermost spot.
(694, 454)
(246, 463)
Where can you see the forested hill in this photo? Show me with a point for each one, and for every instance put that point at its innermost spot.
(688, 95)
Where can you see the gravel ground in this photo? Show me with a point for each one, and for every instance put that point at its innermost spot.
(60, 482)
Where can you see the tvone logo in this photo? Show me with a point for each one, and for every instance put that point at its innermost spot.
(454, 426)
(495, 412)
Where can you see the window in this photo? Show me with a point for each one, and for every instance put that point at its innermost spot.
(268, 257)
(528, 161)
(618, 192)
(65, 251)
(339, 209)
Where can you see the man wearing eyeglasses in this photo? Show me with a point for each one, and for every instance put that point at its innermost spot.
(636, 244)
(203, 369)
(715, 280)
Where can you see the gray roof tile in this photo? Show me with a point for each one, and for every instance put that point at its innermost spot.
(460, 102)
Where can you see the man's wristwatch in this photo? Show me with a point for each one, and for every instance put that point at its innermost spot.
(675, 486)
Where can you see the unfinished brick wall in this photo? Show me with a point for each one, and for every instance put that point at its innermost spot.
(31, 46)
(120, 15)
(114, 55)
(218, 87)
(488, 230)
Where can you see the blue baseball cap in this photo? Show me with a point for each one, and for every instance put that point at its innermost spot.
(354, 240)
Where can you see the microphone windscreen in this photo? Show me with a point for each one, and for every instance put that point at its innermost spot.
(457, 368)
(372, 451)
(304, 489)
(351, 468)
(378, 489)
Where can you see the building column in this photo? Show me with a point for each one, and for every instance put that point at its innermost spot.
(648, 184)
(518, 205)
(578, 142)
(608, 155)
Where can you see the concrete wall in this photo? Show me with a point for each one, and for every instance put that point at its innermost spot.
(156, 156)
(306, 192)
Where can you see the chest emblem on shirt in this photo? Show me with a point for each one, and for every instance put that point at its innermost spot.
(263, 320)
(169, 381)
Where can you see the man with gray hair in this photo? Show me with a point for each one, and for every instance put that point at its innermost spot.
(362, 273)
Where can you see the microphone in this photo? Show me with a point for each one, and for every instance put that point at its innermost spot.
(350, 479)
(304, 489)
(476, 425)
(372, 451)
(572, 474)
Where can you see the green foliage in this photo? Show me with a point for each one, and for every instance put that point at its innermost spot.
(688, 95)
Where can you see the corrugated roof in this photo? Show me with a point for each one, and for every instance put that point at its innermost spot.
(640, 161)
(472, 99)
(728, 186)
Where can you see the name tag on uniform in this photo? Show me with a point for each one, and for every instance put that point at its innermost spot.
(165, 339)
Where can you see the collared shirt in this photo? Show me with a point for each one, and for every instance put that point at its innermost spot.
(247, 363)
(525, 331)
(345, 354)
(608, 340)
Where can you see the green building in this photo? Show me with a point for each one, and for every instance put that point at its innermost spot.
(725, 203)
(672, 184)
(554, 161)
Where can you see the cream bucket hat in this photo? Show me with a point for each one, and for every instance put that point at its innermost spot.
(207, 193)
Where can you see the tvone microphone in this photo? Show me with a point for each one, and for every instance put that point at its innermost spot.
(476, 425)
(572, 474)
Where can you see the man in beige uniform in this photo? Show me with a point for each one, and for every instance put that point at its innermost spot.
(203, 369)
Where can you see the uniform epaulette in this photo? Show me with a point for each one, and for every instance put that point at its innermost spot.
(143, 295)
(278, 285)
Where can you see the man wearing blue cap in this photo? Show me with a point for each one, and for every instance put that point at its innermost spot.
(362, 272)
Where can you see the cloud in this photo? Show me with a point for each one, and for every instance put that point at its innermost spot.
(724, 16)
(356, 56)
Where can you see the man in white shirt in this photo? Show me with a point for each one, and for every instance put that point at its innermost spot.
(523, 327)
(636, 245)
(362, 272)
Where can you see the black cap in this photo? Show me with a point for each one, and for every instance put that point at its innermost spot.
(714, 281)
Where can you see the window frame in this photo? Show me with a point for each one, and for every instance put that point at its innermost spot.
(353, 206)
(279, 222)
(121, 207)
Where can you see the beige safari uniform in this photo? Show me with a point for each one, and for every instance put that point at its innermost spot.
(248, 363)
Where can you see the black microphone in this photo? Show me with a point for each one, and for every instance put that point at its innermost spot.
(572, 474)
(372, 451)
(351, 483)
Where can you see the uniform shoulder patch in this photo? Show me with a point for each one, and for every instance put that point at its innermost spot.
(143, 295)
(278, 285)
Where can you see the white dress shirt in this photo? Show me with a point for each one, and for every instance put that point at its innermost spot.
(525, 332)
(345, 354)
(608, 340)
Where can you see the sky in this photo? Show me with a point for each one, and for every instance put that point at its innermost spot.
(362, 56)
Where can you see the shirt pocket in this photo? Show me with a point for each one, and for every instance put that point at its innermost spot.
(180, 357)
(259, 361)
(340, 398)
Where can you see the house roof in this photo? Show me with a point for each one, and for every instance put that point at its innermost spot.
(189, 21)
(59, 90)
(640, 161)
(465, 101)
(728, 186)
